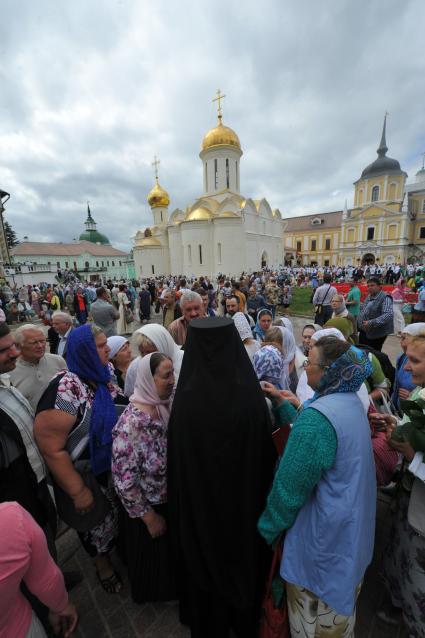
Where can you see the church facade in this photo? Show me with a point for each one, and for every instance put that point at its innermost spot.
(385, 225)
(221, 231)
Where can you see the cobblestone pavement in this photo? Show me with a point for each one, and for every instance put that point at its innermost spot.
(116, 616)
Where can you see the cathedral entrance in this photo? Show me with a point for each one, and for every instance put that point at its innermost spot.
(264, 259)
(368, 259)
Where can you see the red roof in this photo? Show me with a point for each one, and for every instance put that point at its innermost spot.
(28, 248)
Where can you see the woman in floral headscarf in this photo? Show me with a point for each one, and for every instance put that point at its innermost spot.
(324, 493)
(268, 365)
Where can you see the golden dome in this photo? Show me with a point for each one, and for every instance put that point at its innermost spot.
(158, 197)
(220, 136)
(199, 214)
(149, 242)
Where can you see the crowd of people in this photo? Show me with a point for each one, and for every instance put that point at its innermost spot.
(195, 498)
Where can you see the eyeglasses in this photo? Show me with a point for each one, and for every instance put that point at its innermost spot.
(308, 363)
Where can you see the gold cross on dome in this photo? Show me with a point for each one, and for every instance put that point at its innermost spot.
(156, 162)
(218, 99)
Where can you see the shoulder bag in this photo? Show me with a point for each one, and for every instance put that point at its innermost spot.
(319, 307)
(274, 619)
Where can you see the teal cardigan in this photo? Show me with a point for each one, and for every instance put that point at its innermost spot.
(310, 450)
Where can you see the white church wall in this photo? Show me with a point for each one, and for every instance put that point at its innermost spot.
(229, 247)
(196, 239)
(176, 250)
(150, 261)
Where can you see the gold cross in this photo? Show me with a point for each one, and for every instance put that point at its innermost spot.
(156, 162)
(218, 99)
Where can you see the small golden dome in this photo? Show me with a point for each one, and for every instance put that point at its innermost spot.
(220, 136)
(158, 197)
(199, 214)
(149, 242)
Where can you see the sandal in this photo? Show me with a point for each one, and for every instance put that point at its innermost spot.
(112, 584)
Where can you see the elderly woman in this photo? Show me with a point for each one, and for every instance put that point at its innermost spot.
(120, 356)
(284, 340)
(404, 572)
(153, 338)
(139, 470)
(264, 321)
(242, 326)
(342, 319)
(73, 430)
(325, 474)
(403, 384)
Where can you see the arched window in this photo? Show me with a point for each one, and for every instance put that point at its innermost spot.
(375, 193)
(86, 264)
(227, 174)
(392, 191)
(216, 173)
(189, 254)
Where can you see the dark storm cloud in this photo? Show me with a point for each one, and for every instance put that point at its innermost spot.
(91, 91)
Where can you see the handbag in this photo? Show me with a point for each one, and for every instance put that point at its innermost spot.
(274, 621)
(128, 315)
(66, 508)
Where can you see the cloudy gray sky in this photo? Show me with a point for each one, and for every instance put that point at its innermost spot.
(91, 90)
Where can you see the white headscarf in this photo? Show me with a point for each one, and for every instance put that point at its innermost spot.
(115, 343)
(328, 332)
(415, 329)
(164, 343)
(285, 322)
(242, 326)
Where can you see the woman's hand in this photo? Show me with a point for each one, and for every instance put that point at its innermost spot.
(403, 394)
(155, 523)
(65, 622)
(404, 448)
(83, 501)
(383, 422)
(291, 397)
(271, 392)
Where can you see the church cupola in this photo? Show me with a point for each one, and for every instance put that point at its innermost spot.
(91, 233)
(158, 199)
(383, 165)
(220, 154)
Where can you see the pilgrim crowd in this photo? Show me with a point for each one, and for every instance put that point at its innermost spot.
(198, 498)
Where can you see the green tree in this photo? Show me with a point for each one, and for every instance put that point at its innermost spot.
(11, 237)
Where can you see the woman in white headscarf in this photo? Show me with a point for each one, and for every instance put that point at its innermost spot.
(245, 333)
(284, 339)
(153, 338)
(120, 356)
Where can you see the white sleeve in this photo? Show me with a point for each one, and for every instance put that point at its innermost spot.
(130, 377)
(417, 466)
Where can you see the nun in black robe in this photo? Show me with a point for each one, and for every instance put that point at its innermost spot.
(220, 468)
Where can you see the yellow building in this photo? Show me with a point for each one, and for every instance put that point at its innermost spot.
(385, 225)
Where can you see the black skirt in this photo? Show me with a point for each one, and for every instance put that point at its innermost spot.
(151, 570)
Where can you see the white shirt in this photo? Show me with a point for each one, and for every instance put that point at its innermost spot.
(62, 341)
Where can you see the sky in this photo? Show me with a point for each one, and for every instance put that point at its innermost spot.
(91, 91)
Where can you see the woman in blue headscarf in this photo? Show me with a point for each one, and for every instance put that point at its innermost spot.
(264, 321)
(324, 492)
(73, 429)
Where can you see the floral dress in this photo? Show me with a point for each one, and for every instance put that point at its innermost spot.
(68, 393)
(139, 461)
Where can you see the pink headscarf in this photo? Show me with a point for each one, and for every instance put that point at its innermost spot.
(145, 390)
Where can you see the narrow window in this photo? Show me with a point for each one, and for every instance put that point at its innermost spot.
(87, 264)
(206, 177)
(75, 265)
(219, 253)
(216, 173)
(161, 216)
(422, 232)
(327, 245)
(237, 174)
(107, 263)
(298, 246)
(423, 206)
(103, 263)
(189, 254)
(227, 174)
(200, 254)
(371, 233)
(97, 264)
(375, 193)
(153, 269)
(120, 263)
(313, 245)
(66, 264)
(113, 263)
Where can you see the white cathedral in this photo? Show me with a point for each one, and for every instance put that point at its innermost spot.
(220, 232)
